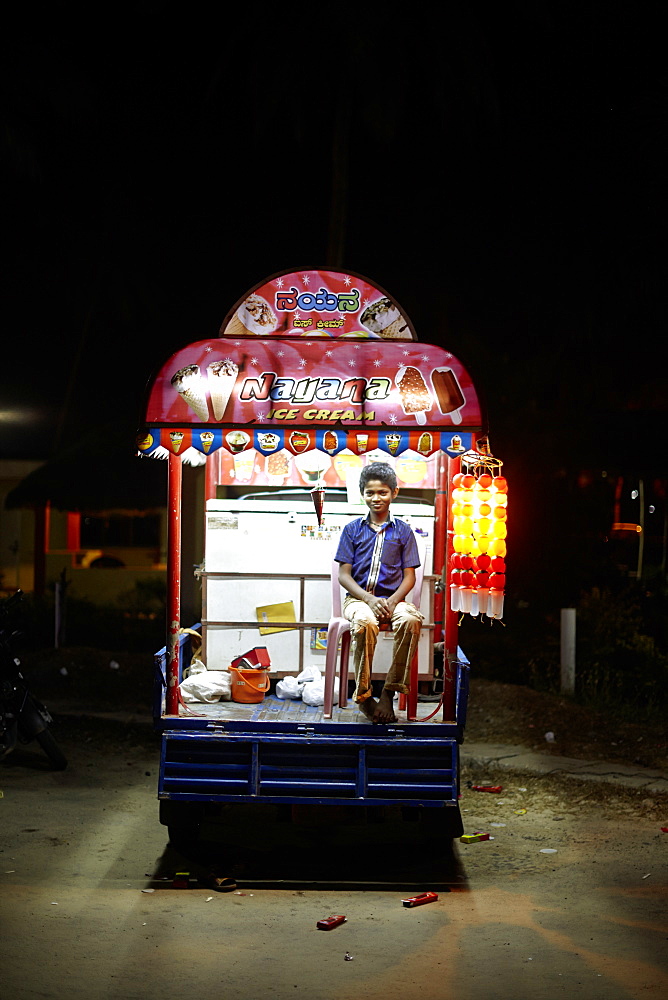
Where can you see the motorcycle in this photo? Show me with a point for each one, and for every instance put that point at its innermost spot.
(22, 717)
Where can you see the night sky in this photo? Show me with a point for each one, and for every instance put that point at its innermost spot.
(499, 169)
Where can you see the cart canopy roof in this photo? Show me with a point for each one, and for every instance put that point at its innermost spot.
(311, 360)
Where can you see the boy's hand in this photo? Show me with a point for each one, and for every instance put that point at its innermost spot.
(379, 606)
(392, 602)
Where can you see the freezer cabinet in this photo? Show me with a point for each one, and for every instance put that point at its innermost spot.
(264, 561)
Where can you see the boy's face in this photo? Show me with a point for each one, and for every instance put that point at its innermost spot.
(378, 496)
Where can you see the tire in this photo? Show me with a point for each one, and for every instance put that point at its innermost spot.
(52, 750)
(182, 820)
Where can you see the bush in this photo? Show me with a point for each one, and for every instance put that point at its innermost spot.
(617, 661)
(621, 660)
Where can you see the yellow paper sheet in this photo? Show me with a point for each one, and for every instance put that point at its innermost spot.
(273, 613)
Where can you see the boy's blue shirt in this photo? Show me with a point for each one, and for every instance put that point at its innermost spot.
(378, 559)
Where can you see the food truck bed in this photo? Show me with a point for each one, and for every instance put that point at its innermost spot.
(284, 751)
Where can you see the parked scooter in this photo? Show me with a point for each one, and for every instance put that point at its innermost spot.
(22, 717)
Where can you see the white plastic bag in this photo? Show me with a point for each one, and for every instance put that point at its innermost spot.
(207, 685)
(309, 674)
(196, 667)
(313, 686)
(288, 687)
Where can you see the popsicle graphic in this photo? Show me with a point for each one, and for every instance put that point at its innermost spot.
(190, 385)
(221, 377)
(448, 393)
(415, 396)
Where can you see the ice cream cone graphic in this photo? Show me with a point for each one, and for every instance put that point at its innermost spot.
(254, 316)
(318, 495)
(176, 439)
(206, 437)
(221, 376)
(384, 319)
(189, 384)
(393, 441)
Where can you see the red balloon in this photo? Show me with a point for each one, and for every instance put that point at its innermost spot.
(454, 576)
(483, 579)
(497, 581)
(466, 578)
(498, 564)
(468, 482)
(484, 561)
(467, 562)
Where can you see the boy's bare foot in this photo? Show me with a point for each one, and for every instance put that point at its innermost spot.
(369, 708)
(379, 712)
(384, 710)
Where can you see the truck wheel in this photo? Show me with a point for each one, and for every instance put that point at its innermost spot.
(182, 820)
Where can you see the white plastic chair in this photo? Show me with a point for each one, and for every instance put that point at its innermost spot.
(338, 631)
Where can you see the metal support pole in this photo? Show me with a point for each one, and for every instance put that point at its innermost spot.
(641, 534)
(450, 618)
(567, 650)
(174, 489)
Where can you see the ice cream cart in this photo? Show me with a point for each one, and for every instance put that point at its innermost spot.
(314, 374)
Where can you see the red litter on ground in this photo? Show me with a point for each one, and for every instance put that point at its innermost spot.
(424, 897)
(473, 838)
(487, 788)
(329, 922)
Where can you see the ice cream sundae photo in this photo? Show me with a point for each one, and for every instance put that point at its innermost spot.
(268, 442)
(236, 441)
(312, 465)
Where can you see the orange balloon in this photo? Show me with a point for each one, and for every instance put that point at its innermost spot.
(501, 484)
(500, 513)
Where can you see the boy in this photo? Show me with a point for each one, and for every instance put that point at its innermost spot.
(378, 556)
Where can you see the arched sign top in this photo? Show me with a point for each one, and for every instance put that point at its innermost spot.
(318, 303)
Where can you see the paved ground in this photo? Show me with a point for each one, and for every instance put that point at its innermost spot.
(567, 900)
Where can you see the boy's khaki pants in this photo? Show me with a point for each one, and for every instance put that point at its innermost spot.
(364, 626)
